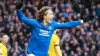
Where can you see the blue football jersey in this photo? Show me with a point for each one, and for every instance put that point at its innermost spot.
(41, 35)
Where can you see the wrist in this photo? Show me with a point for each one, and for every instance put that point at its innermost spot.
(81, 21)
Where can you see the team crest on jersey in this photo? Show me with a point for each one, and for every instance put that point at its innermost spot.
(50, 27)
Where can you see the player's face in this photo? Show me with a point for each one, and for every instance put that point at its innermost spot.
(49, 16)
(5, 38)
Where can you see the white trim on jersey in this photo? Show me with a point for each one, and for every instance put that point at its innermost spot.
(30, 55)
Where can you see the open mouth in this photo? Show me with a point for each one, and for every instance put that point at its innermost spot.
(50, 19)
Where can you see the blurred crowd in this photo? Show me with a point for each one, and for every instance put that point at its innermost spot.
(83, 40)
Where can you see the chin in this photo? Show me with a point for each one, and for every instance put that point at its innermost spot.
(50, 22)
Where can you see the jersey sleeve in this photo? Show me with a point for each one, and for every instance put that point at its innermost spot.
(57, 47)
(66, 25)
(55, 39)
(24, 19)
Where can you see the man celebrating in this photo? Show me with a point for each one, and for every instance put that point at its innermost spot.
(42, 29)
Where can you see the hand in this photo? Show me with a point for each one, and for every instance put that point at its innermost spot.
(19, 5)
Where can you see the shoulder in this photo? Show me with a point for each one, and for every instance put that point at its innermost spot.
(34, 21)
(2, 46)
(55, 23)
(55, 37)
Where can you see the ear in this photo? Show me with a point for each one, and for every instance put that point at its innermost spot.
(44, 16)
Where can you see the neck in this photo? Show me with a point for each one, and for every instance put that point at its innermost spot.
(3, 43)
(45, 23)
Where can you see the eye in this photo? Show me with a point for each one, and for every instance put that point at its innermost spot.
(51, 13)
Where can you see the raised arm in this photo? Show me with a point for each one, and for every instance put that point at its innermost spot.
(21, 16)
(24, 19)
(67, 24)
(57, 48)
(57, 45)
